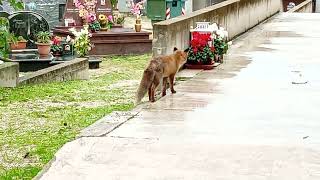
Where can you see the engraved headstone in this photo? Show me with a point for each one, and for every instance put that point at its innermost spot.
(72, 12)
(28, 24)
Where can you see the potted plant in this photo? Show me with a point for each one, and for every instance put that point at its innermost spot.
(82, 44)
(221, 45)
(56, 47)
(22, 42)
(200, 54)
(13, 41)
(94, 26)
(43, 43)
(105, 23)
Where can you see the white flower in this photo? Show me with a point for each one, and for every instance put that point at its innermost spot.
(68, 38)
(230, 43)
(220, 33)
(1, 62)
(213, 27)
(221, 28)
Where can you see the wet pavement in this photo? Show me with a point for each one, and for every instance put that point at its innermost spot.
(245, 120)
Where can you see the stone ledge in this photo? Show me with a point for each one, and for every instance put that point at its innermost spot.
(71, 70)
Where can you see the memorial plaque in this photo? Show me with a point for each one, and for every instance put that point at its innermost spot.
(72, 12)
(28, 24)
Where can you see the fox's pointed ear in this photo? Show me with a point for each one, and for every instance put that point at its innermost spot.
(175, 49)
(186, 50)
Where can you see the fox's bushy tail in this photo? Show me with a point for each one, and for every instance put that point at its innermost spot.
(146, 81)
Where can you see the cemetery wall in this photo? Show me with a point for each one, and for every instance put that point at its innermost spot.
(237, 16)
(76, 69)
(9, 74)
(304, 7)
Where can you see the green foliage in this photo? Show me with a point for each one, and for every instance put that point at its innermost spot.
(221, 46)
(201, 57)
(120, 20)
(12, 38)
(16, 4)
(95, 26)
(21, 39)
(114, 3)
(43, 37)
(4, 36)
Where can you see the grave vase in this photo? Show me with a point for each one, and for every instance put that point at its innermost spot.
(138, 25)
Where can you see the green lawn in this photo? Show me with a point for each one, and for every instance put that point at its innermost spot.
(35, 121)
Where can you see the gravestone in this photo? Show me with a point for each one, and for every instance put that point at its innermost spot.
(72, 12)
(28, 24)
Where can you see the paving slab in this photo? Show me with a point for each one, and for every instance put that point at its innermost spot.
(244, 120)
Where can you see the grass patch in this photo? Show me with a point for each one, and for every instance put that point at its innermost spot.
(37, 120)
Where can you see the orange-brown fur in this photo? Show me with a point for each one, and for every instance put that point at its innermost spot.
(160, 69)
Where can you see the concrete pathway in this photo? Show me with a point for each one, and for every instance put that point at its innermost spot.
(244, 120)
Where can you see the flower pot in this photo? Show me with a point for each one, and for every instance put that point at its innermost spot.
(43, 49)
(200, 66)
(19, 45)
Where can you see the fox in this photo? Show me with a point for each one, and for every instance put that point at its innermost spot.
(160, 69)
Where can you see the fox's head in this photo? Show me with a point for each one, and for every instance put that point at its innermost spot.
(181, 55)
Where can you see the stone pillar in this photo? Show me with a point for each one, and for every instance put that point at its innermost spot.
(9, 74)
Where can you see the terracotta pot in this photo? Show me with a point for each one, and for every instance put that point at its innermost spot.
(43, 49)
(19, 45)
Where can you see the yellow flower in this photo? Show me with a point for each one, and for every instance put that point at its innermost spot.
(102, 17)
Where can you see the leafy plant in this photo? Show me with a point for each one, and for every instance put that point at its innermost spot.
(16, 4)
(11, 38)
(221, 46)
(82, 42)
(95, 26)
(199, 50)
(120, 20)
(43, 37)
(114, 3)
(56, 44)
(21, 39)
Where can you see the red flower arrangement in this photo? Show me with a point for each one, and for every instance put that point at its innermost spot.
(199, 51)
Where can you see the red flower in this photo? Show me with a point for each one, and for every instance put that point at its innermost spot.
(212, 49)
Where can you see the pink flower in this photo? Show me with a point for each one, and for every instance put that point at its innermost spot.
(110, 18)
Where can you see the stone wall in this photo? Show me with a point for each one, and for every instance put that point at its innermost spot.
(9, 74)
(71, 70)
(304, 7)
(237, 16)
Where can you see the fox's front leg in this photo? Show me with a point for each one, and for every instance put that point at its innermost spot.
(171, 80)
(164, 86)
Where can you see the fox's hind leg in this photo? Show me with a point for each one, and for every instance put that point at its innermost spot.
(164, 86)
(171, 80)
(154, 87)
(149, 93)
